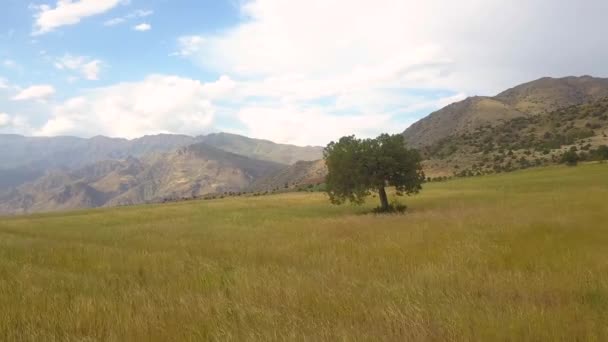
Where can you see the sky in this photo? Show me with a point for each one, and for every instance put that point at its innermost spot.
(303, 72)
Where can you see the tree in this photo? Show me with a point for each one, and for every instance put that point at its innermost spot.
(570, 158)
(357, 166)
(602, 152)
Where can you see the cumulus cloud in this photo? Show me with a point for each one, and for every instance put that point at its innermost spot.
(14, 124)
(142, 27)
(189, 45)
(68, 12)
(308, 126)
(36, 92)
(86, 67)
(390, 59)
(4, 120)
(133, 15)
(478, 45)
(158, 104)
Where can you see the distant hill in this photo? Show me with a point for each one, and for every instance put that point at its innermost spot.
(534, 98)
(297, 175)
(25, 159)
(89, 187)
(529, 125)
(187, 172)
(262, 149)
(73, 152)
(194, 171)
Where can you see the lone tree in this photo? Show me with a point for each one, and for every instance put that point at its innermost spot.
(358, 166)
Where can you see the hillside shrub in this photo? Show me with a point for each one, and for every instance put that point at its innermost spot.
(570, 158)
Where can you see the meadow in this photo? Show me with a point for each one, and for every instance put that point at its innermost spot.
(511, 257)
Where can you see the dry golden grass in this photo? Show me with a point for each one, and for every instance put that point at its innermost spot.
(521, 256)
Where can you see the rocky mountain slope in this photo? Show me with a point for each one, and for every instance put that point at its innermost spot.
(25, 159)
(300, 174)
(530, 125)
(188, 172)
(73, 152)
(263, 149)
(530, 99)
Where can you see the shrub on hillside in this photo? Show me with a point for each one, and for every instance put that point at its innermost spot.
(570, 158)
(601, 153)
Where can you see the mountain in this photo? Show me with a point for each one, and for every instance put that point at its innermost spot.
(534, 98)
(458, 118)
(549, 94)
(187, 172)
(194, 171)
(300, 174)
(89, 187)
(262, 149)
(73, 152)
(25, 159)
(529, 125)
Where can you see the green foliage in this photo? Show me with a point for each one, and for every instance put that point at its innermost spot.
(357, 166)
(601, 153)
(570, 158)
(312, 187)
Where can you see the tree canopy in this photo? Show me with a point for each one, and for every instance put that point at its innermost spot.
(358, 166)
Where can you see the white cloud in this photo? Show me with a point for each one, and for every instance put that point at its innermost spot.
(308, 126)
(86, 67)
(4, 120)
(14, 124)
(68, 12)
(9, 63)
(394, 59)
(189, 45)
(481, 46)
(318, 82)
(434, 104)
(3, 83)
(132, 15)
(142, 27)
(158, 104)
(36, 92)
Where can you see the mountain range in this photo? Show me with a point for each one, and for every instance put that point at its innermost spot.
(530, 124)
(28, 158)
(187, 172)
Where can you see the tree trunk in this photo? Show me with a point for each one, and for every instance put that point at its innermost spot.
(383, 199)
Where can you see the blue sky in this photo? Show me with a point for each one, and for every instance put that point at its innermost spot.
(302, 72)
(127, 54)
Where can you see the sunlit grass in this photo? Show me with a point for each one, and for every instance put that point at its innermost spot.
(521, 256)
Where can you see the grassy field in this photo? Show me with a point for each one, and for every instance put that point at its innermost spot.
(520, 256)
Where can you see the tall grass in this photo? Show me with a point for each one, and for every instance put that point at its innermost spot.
(521, 256)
